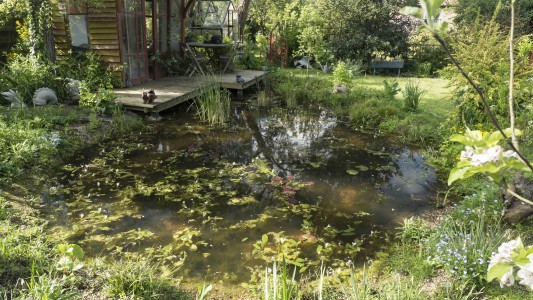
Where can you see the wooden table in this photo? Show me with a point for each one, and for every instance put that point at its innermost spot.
(194, 46)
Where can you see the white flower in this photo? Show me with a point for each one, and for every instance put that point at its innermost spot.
(507, 279)
(491, 154)
(494, 153)
(469, 151)
(506, 249)
(526, 276)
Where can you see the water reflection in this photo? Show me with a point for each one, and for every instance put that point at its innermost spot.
(184, 177)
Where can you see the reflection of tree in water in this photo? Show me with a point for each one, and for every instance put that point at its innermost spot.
(288, 137)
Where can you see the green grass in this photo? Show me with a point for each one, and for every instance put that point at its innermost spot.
(436, 100)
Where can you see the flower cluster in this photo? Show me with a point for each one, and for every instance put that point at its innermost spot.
(484, 204)
(480, 156)
(512, 262)
(458, 253)
(54, 138)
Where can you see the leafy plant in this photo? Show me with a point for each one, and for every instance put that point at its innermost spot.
(102, 101)
(341, 75)
(483, 155)
(70, 255)
(390, 90)
(412, 94)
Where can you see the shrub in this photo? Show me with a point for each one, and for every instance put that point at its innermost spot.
(102, 101)
(89, 67)
(25, 74)
(482, 51)
(341, 74)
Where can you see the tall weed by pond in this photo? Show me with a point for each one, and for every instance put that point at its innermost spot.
(140, 277)
(279, 284)
(213, 106)
(24, 249)
(360, 286)
(412, 94)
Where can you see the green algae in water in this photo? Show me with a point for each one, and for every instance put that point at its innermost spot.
(202, 200)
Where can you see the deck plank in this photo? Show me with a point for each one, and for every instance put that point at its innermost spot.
(172, 91)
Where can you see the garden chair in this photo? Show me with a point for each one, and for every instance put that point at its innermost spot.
(303, 62)
(235, 52)
(195, 61)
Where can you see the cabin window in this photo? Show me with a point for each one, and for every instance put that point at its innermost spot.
(78, 32)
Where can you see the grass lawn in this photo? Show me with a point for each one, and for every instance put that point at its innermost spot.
(436, 100)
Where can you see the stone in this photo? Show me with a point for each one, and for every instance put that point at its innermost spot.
(519, 211)
(340, 88)
(44, 96)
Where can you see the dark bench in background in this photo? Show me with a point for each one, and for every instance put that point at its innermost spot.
(383, 64)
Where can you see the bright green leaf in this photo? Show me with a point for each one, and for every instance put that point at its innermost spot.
(497, 271)
(456, 174)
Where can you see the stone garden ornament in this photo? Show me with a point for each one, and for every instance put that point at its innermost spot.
(44, 96)
(15, 99)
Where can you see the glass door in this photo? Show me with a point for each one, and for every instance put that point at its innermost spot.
(133, 40)
(157, 32)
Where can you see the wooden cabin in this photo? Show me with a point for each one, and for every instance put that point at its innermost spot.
(126, 33)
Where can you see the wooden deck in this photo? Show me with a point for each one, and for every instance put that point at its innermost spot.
(172, 91)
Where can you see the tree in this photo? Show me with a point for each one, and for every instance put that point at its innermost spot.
(468, 11)
(348, 29)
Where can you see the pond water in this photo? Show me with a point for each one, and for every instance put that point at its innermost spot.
(216, 202)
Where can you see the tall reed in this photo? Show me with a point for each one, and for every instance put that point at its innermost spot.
(280, 286)
(412, 95)
(213, 106)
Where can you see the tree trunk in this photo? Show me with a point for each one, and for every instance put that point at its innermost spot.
(243, 9)
(50, 44)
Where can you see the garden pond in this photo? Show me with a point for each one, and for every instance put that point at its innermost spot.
(220, 203)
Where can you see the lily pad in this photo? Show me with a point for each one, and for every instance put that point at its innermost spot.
(362, 168)
(352, 172)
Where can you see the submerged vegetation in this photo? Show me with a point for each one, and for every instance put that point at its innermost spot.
(304, 193)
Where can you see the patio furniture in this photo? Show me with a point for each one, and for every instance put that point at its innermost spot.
(196, 61)
(208, 50)
(235, 52)
(381, 64)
